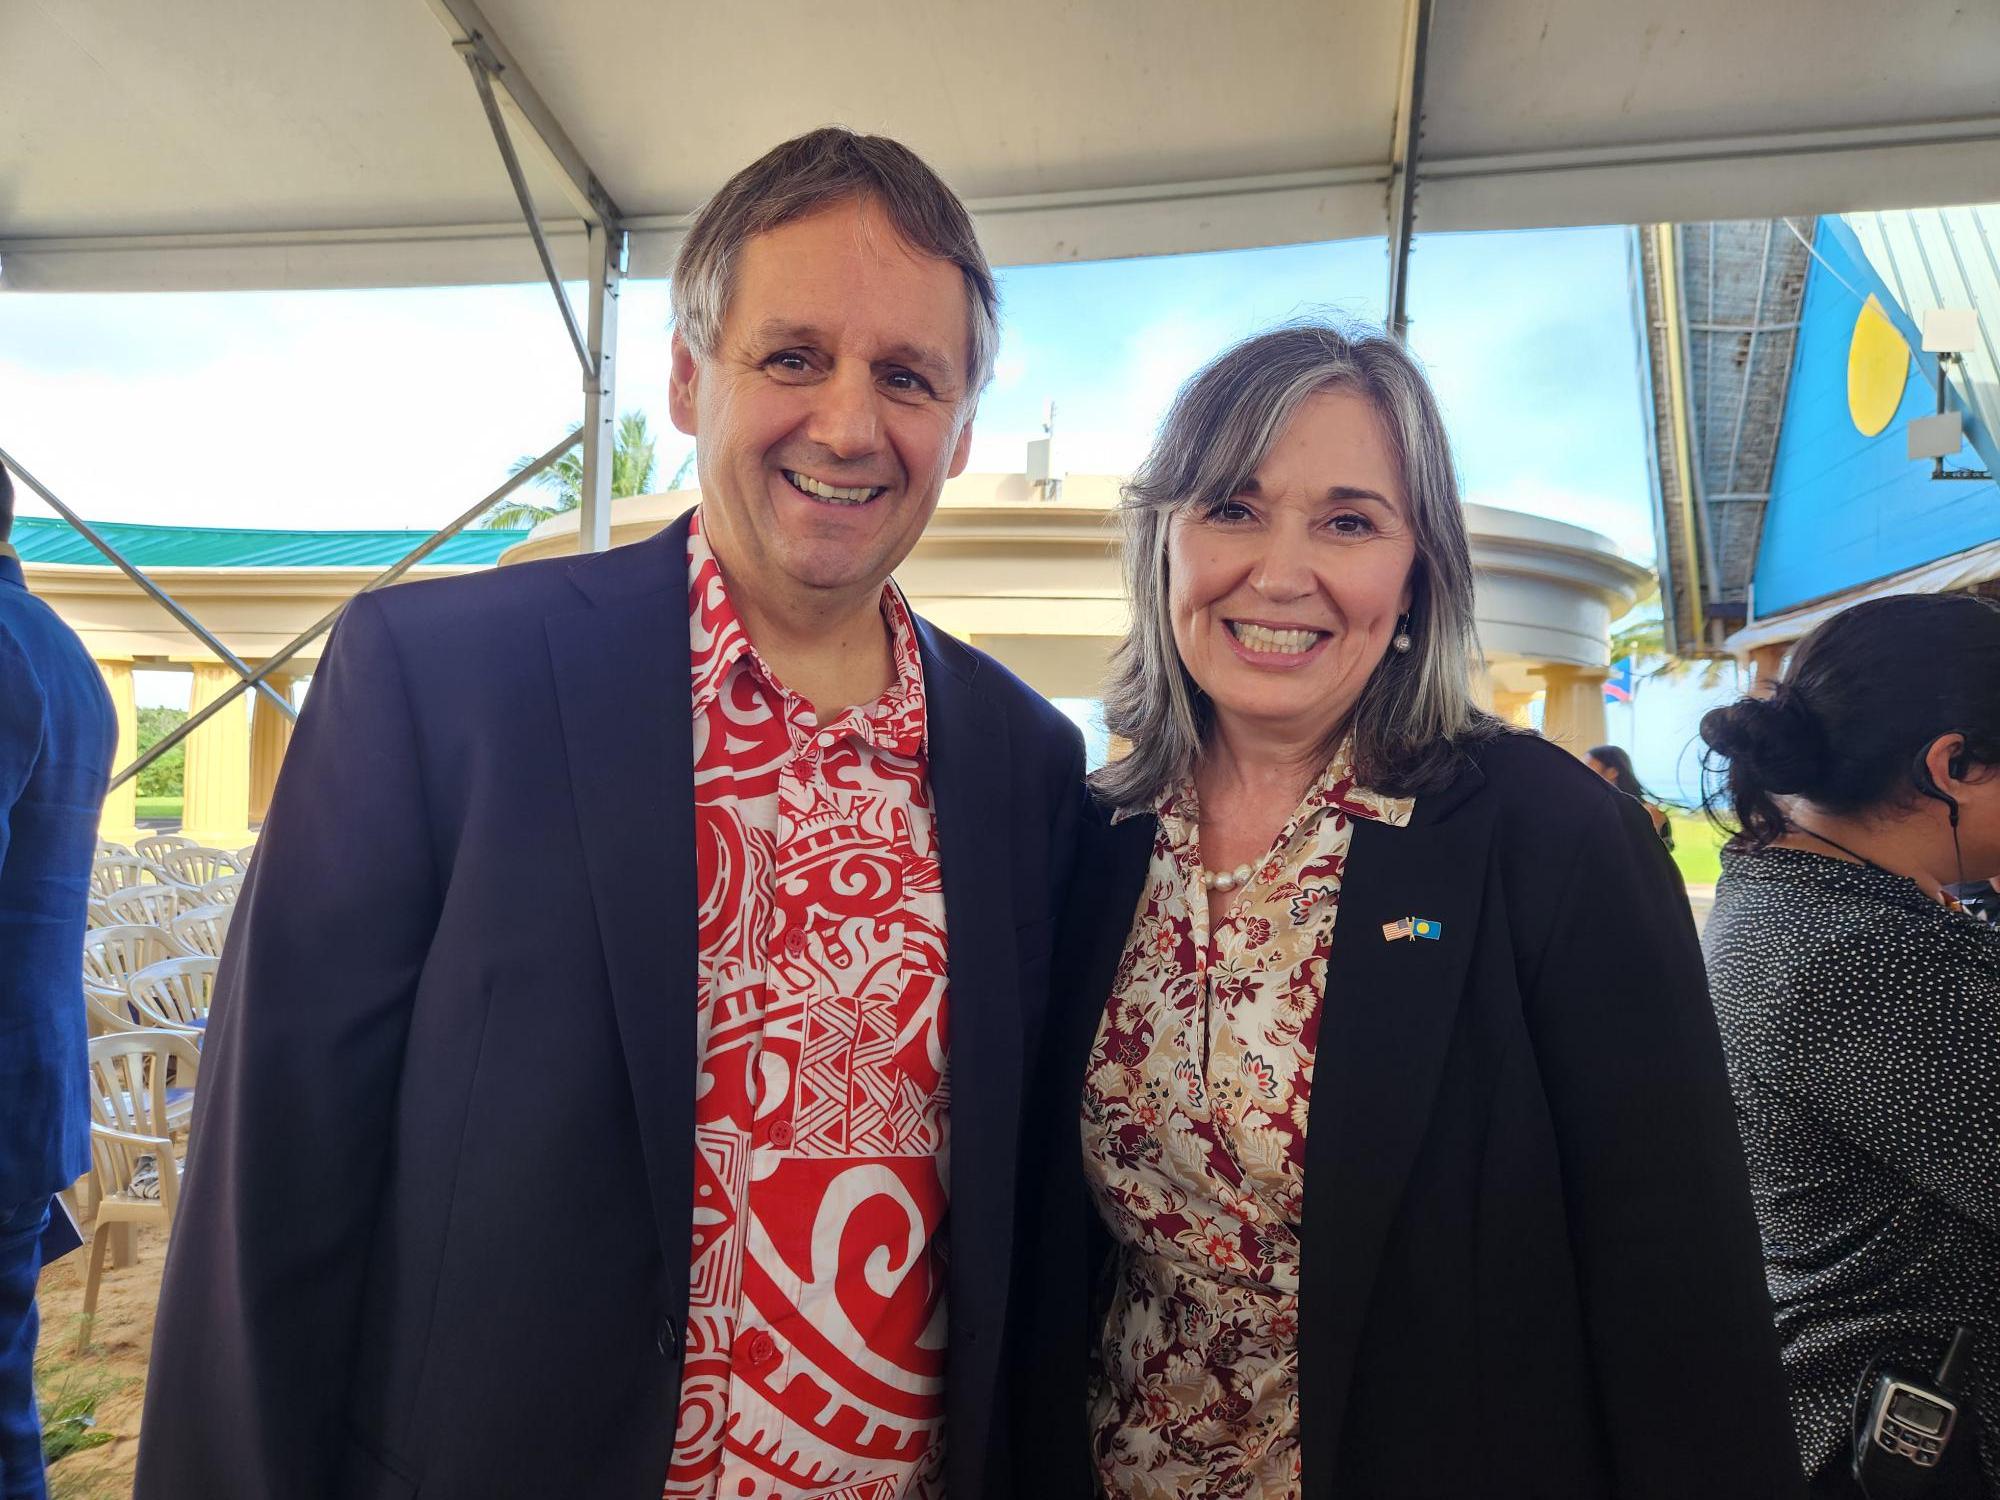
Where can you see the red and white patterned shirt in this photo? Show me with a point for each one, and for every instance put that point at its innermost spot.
(814, 1362)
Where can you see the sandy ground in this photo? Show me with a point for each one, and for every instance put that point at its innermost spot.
(114, 1365)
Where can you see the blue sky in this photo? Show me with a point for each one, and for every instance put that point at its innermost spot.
(399, 408)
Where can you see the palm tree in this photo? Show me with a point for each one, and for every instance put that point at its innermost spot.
(632, 467)
(1645, 641)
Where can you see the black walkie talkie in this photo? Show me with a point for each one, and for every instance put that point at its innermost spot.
(1909, 1429)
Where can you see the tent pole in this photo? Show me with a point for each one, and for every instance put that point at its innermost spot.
(313, 633)
(482, 81)
(153, 591)
(600, 388)
(499, 77)
(1403, 168)
(475, 38)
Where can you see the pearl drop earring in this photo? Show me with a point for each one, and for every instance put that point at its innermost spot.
(1402, 641)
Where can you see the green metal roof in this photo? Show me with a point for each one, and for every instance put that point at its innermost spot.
(43, 540)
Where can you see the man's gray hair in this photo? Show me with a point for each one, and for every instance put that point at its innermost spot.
(816, 171)
(1417, 709)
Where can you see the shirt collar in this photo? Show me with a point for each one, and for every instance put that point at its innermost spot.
(1335, 789)
(894, 722)
(11, 570)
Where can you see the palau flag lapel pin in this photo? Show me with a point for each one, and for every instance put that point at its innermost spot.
(1429, 929)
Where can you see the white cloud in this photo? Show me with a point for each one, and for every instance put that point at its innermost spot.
(336, 410)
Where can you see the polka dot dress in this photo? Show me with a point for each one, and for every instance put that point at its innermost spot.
(1861, 1022)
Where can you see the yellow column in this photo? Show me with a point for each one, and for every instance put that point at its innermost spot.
(270, 736)
(218, 764)
(119, 821)
(1766, 662)
(1573, 709)
(1513, 707)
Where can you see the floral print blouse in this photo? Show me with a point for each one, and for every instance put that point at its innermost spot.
(1194, 1123)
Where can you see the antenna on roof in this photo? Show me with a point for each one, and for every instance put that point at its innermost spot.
(1044, 472)
(1949, 333)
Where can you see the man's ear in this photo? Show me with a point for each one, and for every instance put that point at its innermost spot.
(682, 381)
(962, 454)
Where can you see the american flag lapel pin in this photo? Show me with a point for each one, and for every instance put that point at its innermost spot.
(1401, 928)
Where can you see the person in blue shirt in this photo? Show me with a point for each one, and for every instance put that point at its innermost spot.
(57, 736)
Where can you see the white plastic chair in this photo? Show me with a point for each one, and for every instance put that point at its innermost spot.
(112, 955)
(196, 866)
(108, 1012)
(246, 854)
(148, 905)
(177, 989)
(116, 872)
(202, 929)
(221, 891)
(153, 845)
(96, 913)
(112, 849)
(135, 1111)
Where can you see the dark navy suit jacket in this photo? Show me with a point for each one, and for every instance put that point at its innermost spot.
(436, 1230)
(57, 736)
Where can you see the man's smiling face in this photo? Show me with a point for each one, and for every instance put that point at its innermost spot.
(832, 409)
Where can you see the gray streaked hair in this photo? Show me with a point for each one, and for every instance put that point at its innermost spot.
(816, 171)
(1416, 710)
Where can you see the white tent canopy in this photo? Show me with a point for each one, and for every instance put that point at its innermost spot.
(293, 143)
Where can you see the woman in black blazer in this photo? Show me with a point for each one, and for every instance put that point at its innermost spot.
(1514, 1253)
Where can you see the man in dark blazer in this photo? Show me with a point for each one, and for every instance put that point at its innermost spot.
(57, 735)
(437, 1230)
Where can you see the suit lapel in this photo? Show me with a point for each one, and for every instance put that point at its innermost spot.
(621, 671)
(969, 780)
(1388, 1018)
(1111, 867)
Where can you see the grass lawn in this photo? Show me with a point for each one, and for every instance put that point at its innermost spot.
(1697, 847)
(158, 807)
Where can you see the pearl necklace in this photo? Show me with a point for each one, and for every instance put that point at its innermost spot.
(1226, 880)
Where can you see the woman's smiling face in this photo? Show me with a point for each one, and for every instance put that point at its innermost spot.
(1284, 597)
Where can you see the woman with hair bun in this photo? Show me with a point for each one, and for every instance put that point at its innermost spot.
(1860, 1011)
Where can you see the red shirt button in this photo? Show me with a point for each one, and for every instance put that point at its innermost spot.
(760, 1351)
(795, 943)
(800, 769)
(781, 1135)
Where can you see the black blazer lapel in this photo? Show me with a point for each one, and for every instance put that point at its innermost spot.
(621, 671)
(971, 790)
(1065, 1244)
(1387, 1022)
(1111, 864)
